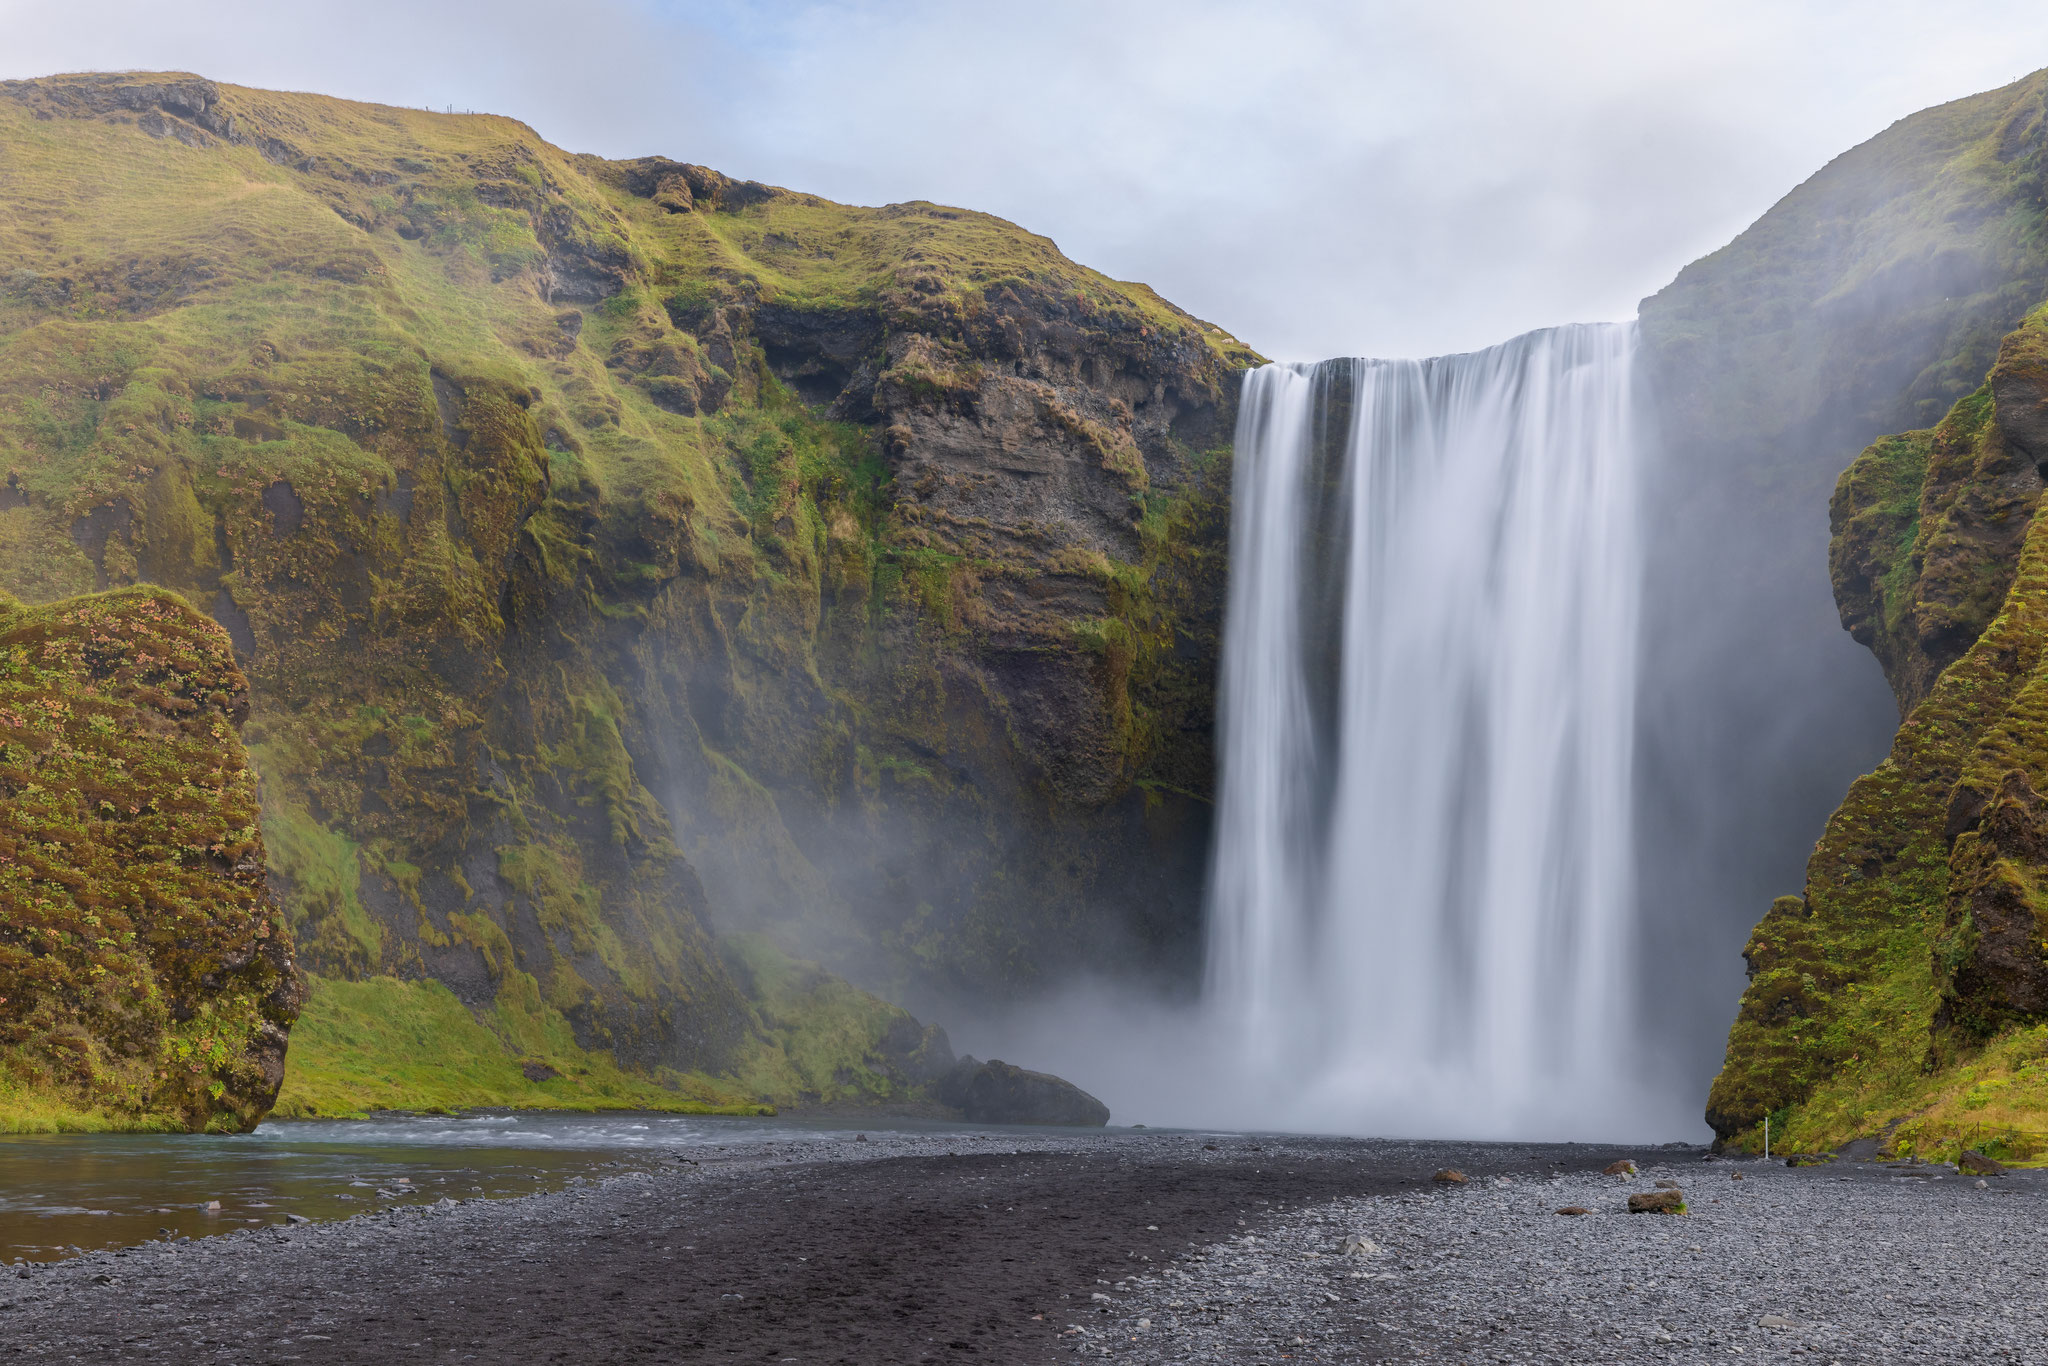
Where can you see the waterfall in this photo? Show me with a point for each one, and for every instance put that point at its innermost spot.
(1421, 902)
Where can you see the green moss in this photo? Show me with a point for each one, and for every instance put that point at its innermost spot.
(1893, 998)
(387, 1044)
(145, 977)
(320, 881)
(1875, 292)
(820, 1040)
(538, 536)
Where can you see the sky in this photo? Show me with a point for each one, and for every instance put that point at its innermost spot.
(1319, 178)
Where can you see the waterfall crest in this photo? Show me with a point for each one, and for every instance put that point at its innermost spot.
(1422, 903)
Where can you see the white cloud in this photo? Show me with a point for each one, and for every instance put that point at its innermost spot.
(1319, 177)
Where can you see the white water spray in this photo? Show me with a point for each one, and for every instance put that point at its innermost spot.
(1422, 903)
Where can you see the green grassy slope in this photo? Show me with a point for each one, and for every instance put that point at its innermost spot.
(592, 532)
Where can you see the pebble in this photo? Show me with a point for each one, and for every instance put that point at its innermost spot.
(1791, 1266)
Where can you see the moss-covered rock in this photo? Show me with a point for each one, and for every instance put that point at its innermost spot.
(1926, 533)
(617, 551)
(1908, 988)
(146, 976)
(1870, 299)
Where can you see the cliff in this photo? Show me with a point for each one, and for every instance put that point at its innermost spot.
(1869, 300)
(1904, 996)
(619, 554)
(146, 976)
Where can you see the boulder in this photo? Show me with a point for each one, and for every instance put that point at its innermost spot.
(1450, 1176)
(1657, 1202)
(997, 1092)
(1620, 1167)
(1976, 1162)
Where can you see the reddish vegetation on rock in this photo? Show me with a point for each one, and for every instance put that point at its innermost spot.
(146, 976)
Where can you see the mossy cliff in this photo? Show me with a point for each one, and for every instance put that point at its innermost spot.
(618, 552)
(146, 975)
(1868, 300)
(1905, 995)
(1872, 295)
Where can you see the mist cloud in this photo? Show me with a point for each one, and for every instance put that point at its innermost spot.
(1320, 178)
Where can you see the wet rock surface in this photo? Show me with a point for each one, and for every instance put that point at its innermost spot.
(998, 1092)
(1027, 1248)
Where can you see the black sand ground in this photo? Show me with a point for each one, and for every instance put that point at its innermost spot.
(903, 1250)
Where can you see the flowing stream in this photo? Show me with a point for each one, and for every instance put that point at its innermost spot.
(61, 1194)
(1422, 900)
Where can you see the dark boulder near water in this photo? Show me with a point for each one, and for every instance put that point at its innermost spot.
(998, 1092)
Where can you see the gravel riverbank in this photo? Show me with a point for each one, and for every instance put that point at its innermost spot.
(1842, 1263)
(913, 1248)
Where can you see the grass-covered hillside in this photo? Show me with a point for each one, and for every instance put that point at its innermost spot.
(1904, 996)
(146, 979)
(617, 552)
(1875, 293)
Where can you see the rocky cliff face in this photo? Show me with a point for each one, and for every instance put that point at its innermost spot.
(617, 551)
(146, 976)
(1869, 300)
(1905, 995)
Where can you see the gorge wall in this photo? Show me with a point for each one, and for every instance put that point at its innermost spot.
(1868, 300)
(618, 553)
(1893, 999)
(1904, 996)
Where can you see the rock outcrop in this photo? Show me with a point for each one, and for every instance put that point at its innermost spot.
(146, 976)
(619, 553)
(998, 1092)
(1870, 299)
(1905, 994)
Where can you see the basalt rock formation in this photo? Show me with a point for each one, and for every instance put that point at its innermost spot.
(619, 553)
(146, 975)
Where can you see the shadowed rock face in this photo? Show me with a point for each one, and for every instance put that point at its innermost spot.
(616, 551)
(1871, 299)
(999, 1093)
(146, 975)
(1918, 957)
